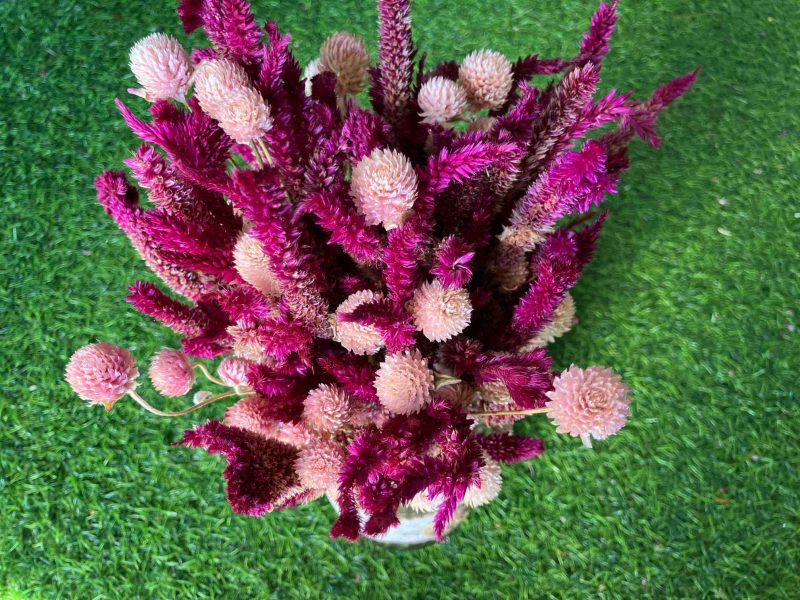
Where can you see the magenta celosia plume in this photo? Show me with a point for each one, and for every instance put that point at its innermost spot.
(380, 283)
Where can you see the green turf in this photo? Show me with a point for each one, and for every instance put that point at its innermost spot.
(692, 297)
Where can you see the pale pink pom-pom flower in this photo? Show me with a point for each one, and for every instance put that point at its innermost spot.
(490, 482)
(345, 55)
(404, 382)
(245, 115)
(254, 266)
(487, 78)
(441, 100)
(439, 312)
(588, 403)
(327, 409)
(101, 373)
(384, 187)
(161, 66)
(171, 372)
(318, 464)
(233, 370)
(357, 338)
(215, 81)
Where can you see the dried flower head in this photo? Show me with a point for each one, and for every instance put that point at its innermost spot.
(313, 68)
(101, 373)
(215, 81)
(494, 397)
(245, 115)
(247, 343)
(254, 266)
(491, 481)
(384, 187)
(233, 370)
(458, 394)
(161, 66)
(441, 100)
(345, 55)
(250, 413)
(404, 382)
(563, 320)
(171, 372)
(588, 402)
(487, 78)
(327, 409)
(422, 503)
(318, 464)
(439, 312)
(357, 338)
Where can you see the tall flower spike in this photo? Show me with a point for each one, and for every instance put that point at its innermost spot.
(404, 382)
(588, 403)
(346, 56)
(356, 337)
(327, 409)
(439, 312)
(254, 266)
(487, 78)
(102, 373)
(384, 187)
(441, 100)
(395, 53)
(161, 66)
(171, 372)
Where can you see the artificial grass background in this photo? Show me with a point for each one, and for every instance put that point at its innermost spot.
(692, 297)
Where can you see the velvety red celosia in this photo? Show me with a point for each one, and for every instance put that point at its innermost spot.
(357, 263)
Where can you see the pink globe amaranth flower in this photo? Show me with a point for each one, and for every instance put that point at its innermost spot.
(253, 413)
(562, 321)
(441, 100)
(171, 372)
(487, 78)
(384, 187)
(101, 373)
(161, 66)
(404, 382)
(215, 81)
(494, 396)
(245, 116)
(491, 481)
(254, 266)
(439, 312)
(588, 403)
(318, 464)
(357, 338)
(346, 56)
(233, 370)
(327, 409)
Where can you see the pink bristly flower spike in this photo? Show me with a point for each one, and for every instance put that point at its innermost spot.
(171, 372)
(384, 188)
(491, 481)
(439, 312)
(102, 373)
(588, 403)
(356, 337)
(404, 382)
(254, 266)
(487, 78)
(161, 66)
(346, 56)
(441, 100)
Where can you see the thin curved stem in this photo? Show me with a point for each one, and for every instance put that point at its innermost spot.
(508, 413)
(204, 370)
(179, 413)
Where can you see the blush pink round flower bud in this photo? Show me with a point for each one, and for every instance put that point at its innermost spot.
(101, 373)
(233, 370)
(487, 78)
(384, 187)
(245, 115)
(171, 372)
(327, 409)
(588, 403)
(439, 312)
(217, 80)
(491, 481)
(441, 100)
(161, 66)
(318, 464)
(346, 56)
(254, 266)
(404, 382)
(357, 338)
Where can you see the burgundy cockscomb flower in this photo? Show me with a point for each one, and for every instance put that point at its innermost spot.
(439, 312)
(171, 372)
(318, 464)
(404, 382)
(233, 370)
(384, 188)
(102, 373)
(161, 66)
(327, 409)
(487, 78)
(588, 403)
(441, 100)
(356, 337)
(345, 55)
(491, 481)
(254, 266)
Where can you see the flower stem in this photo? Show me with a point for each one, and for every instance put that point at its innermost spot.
(257, 156)
(508, 413)
(179, 413)
(204, 370)
(264, 151)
